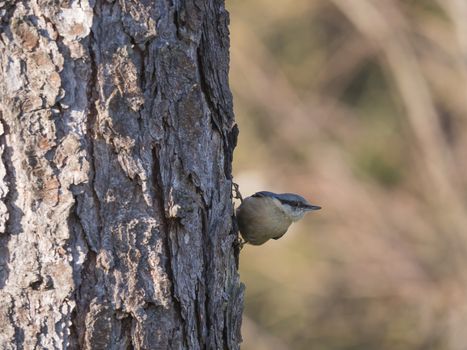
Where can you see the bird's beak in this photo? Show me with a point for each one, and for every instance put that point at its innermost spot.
(312, 207)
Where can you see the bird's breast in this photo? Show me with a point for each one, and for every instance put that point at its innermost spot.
(261, 219)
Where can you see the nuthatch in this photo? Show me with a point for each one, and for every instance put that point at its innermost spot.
(267, 215)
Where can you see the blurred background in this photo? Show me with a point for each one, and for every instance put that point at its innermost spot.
(360, 106)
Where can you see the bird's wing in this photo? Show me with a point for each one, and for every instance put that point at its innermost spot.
(264, 194)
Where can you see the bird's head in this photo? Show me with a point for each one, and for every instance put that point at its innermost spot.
(293, 205)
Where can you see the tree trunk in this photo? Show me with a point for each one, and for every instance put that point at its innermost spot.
(117, 135)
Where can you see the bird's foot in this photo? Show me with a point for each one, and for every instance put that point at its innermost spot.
(240, 243)
(236, 192)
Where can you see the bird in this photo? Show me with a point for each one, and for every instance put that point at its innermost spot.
(267, 215)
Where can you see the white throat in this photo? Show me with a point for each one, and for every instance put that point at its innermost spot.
(293, 213)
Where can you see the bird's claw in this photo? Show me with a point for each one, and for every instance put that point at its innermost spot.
(241, 243)
(236, 191)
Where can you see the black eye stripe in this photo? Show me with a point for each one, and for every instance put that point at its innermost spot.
(292, 203)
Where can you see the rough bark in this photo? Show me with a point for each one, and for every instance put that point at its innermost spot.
(117, 135)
